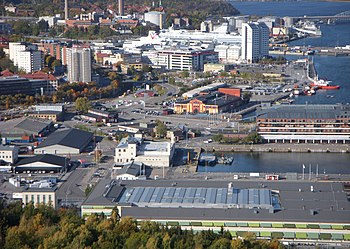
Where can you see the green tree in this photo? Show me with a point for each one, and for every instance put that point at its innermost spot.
(161, 129)
(253, 137)
(82, 104)
(56, 63)
(49, 60)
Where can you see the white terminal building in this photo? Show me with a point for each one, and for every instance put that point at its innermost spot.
(152, 154)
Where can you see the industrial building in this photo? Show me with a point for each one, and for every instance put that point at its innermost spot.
(25, 129)
(42, 164)
(130, 171)
(156, 17)
(305, 124)
(303, 211)
(52, 112)
(64, 142)
(96, 115)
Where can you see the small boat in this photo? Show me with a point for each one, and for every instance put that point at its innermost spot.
(207, 160)
(225, 160)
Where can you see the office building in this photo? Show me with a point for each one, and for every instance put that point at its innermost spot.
(17, 85)
(184, 58)
(255, 41)
(305, 124)
(79, 64)
(152, 154)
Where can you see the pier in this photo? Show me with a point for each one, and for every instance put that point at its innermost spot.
(303, 51)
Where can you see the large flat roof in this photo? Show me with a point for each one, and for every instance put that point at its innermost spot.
(328, 200)
(306, 112)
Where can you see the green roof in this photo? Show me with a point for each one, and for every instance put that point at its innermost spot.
(312, 235)
(337, 236)
(300, 235)
(288, 235)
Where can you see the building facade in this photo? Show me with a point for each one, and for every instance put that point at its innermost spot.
(255, 41)
(30, 60)
(39, 196)
(212, 103)
(15, 47)
(9, 154)
(177, 59)
(152, 154)
(79, 64)
(305, 124)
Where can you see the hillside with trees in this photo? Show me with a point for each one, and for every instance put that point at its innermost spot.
(46, 228)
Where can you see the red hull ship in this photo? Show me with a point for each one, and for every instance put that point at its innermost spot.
(324, 84)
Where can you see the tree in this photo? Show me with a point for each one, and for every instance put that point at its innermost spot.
(56, 63)
(254, 137)
(49, 60)
(82, 104)
(161, 129)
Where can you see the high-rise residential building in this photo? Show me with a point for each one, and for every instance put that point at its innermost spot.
(30, 60)
(79, 64)
(255, 41)
(26, 56)
(66, 10)
(15, 47)
(121, 7)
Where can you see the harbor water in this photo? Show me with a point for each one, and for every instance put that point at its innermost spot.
(328, 163)
(333, 68)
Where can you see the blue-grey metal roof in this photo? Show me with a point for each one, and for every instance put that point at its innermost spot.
(305, 112)
(210, 197)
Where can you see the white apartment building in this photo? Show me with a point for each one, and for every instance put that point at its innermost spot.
(228, 53)
(153, 154)
(30, 60)
(9, 154)
(16, 47)
(255, 41)
(79, 64)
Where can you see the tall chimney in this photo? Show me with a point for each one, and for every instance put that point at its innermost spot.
(66, 14)
(121, 7)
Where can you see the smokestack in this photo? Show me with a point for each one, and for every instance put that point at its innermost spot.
(66, 14)
(121, 7)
